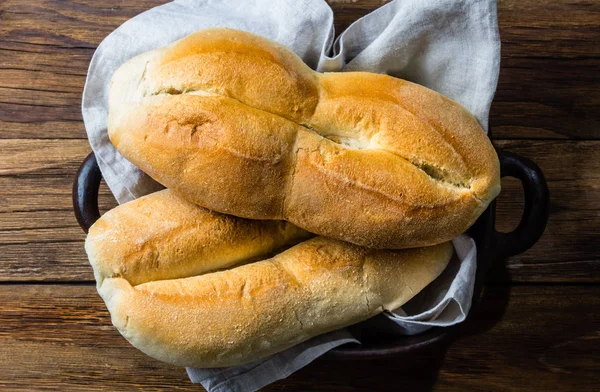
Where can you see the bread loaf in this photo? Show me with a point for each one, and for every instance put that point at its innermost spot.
(239, 124)
(241, 314)
(161, 236)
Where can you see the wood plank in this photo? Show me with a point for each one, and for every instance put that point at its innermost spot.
(40, 239)
(33, 195)
(42, 157)
(45, 261)
(60, 61)
(541, 28)
(73, 24)
(549, 86)
(570, 246)
(63, 129)
(547, 99)
(60, 337)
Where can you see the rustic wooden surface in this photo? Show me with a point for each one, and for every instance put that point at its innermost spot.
(539, 328)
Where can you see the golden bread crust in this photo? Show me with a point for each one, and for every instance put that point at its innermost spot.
(238, 124)
(170, 274)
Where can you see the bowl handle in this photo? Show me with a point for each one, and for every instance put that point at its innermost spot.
(536, 208)
(85, 192)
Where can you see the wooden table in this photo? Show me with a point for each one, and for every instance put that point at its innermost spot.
(539, 328)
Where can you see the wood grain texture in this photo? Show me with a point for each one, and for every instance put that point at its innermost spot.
(569, 250)
(40, 239)
(61, 338)
(23, 157)
(549, 86)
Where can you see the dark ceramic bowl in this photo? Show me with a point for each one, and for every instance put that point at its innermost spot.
(492, 247)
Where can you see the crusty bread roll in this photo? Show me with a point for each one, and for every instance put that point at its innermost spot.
(238, 315)
(239, 124)
(161, 236)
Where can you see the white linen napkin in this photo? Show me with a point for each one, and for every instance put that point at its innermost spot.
(451, 46)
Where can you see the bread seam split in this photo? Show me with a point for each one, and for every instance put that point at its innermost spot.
(193, 91)
(368, 188)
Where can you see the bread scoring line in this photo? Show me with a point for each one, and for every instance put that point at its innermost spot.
(172, 91)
